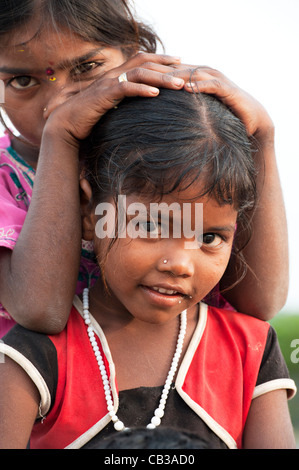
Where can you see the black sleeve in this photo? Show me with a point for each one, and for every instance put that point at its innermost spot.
(34, 352)
(273, 373)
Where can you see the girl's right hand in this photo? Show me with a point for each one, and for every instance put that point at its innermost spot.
(72, 113)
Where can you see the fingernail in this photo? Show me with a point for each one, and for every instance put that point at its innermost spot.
(154, 91)
(190, 85)
(178, 81)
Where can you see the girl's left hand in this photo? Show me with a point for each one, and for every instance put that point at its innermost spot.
(253, 115)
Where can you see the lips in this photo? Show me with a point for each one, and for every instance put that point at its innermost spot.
(161, 290)
(164, 295)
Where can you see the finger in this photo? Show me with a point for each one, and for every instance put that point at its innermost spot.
(154, 78)
(214, 87)
(193, 73)
(144, 57)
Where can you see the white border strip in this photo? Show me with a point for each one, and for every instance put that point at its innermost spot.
(277, 384)
(211, 423)
(33, 373)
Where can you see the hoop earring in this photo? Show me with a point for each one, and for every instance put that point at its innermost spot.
(7, 124)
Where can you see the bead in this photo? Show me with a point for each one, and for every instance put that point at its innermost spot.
(151, 426)
(156, 420)
(168, 384)
(159, 412)
(119, 425)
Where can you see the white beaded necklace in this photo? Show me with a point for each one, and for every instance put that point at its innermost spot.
(159, 412)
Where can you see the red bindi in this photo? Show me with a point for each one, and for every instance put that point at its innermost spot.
(49, 71)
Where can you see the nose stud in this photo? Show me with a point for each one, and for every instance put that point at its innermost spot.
(165, 261)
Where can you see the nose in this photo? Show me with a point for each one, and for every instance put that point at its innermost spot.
(178, 262)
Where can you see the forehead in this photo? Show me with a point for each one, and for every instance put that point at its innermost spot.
(184, 197)
(43, 47)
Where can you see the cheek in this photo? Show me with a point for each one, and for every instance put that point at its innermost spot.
(123, 262)
(27, 120)
(210, 271)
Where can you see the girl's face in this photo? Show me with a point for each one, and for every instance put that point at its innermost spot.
(35, 67)
(154, 279)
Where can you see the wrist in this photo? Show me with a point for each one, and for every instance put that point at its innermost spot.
(59, 137)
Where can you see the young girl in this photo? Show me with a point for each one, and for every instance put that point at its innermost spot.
(143, 324)
(50, 51)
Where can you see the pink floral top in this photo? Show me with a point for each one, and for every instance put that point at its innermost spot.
(16, 185)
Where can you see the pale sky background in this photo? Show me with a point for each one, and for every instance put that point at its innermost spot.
(256, 44)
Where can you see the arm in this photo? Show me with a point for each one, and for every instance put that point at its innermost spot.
(19, 401)
(263, 291)
(38, 278)
(268, 424)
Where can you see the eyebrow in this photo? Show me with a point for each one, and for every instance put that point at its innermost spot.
(222, 228)
(67, 63)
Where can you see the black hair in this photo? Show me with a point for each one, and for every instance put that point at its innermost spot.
(108, 22)
(152, 146)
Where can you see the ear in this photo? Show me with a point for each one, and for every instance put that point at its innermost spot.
(87, 210)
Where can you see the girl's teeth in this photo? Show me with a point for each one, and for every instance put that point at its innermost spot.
(164, 291)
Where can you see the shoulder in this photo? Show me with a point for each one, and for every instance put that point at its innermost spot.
(36, 355)
(243, 330)
(41, 356)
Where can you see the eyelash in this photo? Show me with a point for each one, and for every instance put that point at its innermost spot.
(222, 238)
(10, 82)
(210, 245)
(75, 71)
